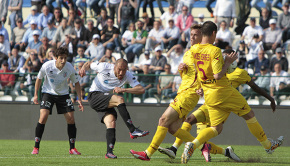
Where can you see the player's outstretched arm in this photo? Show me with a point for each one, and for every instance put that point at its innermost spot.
(260, 91)
(78, 90)
(228, 61)
(137, 90)
(85, 68)
(37, 86)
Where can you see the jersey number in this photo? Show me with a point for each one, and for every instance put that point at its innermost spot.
(200, 69)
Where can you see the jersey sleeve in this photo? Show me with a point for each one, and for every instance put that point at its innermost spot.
(132, 80)
(217, 62)
(245, 77)
(41, 72)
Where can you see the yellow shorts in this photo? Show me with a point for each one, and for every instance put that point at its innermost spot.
(184, 102)
(236, 103)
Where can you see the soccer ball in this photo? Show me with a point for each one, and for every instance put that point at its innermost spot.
(232, 67)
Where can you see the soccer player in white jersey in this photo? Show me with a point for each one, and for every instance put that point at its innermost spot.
(55, 90)
(110, 79)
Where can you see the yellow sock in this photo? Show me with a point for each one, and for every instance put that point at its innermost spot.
(185, 136)
(216, 149)
(157, 140)
(257, 130)
(185, 126)
(204, 135)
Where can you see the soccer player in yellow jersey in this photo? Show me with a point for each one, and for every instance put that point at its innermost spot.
(200, 117)
(183, 103)
(220, 97)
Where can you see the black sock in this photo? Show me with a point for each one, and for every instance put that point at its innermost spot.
(38, 133)
(126, 116)
(111, 139)
(72, 132)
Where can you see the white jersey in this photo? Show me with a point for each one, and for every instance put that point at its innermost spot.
(106, 80)
(55, 80)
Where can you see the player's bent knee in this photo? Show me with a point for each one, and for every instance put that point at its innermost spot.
(191, 119)
(120, 100)
(249, 115)
(163, 121)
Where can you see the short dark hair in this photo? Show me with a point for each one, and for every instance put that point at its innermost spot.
(208, 28)
(195, 26)
(228, 51)
(61, 51)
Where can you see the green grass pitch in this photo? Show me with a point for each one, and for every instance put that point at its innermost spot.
(17, 152)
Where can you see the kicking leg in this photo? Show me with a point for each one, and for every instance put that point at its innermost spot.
(257, 130)
(117, 101)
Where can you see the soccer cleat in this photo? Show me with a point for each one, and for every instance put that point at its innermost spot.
(168, 151)
(74, 151)
(187, 153)
(35, 151)
(140, 155)
(231, 154)
(138, 133)
(275, 144)
(110, 155)
(205, 151)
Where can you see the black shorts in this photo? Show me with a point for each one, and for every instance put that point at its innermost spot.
(99, 101)
(63, 103)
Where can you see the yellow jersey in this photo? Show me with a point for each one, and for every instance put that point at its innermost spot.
(189, 76)
(208, 61)
(239, 77)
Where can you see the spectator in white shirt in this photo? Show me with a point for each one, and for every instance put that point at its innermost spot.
(154, 37)
(223, 36)
(168, 15)
(254, 47)
(96, 49)
(225, 10)
(251, 30)
(128, 35)
(272, 36)
(279, 84)
(175, 57)
(170, 35)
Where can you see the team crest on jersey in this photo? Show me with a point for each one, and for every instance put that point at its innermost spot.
(106, 81)
(108, 74)
(50, 72)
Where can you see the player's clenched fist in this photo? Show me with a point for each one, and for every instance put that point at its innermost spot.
(182, 66)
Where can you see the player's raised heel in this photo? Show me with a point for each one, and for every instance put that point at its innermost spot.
(231, 154)
(187, 153)
(35, 151)
(275, 144)
(167, 151)
(138, 133)
(140, 155)
(205, 151)
(110, 156)
(74, 151)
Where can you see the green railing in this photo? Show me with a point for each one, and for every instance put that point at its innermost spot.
(128, 97)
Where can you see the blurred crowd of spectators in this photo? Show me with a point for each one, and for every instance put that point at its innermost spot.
(151, 45)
